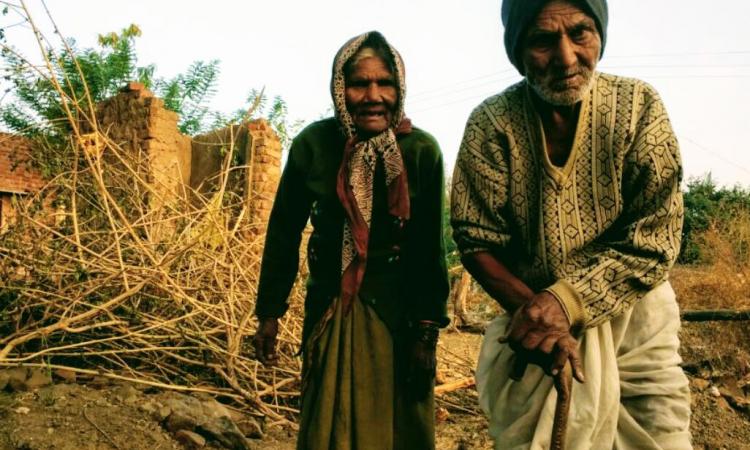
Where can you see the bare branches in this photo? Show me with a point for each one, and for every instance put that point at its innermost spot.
(107, 292)
(117, 287)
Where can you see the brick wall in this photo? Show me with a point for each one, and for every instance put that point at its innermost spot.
(140, 124)
(259, 151)
(211, 151)
(264, 160)
(16, 176)
(142, 127)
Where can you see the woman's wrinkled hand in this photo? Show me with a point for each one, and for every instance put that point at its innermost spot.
(423, 361)
(265, 341)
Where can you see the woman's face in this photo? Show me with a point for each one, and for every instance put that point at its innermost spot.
(371, 95)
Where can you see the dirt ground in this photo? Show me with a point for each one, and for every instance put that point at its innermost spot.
(99, 415)
(717, 360)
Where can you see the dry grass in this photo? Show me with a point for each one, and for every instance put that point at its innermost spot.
(722, 282)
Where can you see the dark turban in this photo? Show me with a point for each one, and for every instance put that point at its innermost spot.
(518, 14)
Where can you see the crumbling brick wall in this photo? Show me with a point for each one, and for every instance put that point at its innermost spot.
(264, 160)
(258, 149)
(17, 177)
(173, 164)
(140, 124)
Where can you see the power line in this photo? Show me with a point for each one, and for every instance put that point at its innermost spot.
(715, 154)
(697, 76)
(485, 95)
(460, 100)
(435, 92)
(652, 55)
(676, 66)
(468, 88)
(448, 86)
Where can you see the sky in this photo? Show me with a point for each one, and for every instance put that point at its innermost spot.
(695, 53)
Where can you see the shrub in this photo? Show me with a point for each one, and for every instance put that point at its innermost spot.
(724, 211)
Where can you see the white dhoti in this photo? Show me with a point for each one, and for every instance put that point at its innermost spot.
(635, 395)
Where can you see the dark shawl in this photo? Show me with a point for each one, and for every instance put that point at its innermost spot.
(356, 175)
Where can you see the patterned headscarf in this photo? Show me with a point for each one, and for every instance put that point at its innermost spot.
(338, 78)
(518, 14)
(357, 171)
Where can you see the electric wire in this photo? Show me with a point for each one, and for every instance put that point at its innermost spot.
(717, 155)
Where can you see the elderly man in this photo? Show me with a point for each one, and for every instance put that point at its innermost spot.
(567, 210)
(372, 187)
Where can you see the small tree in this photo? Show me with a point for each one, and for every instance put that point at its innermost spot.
(187, 94)
(276, 113)
(726, 210)
(78, 79)
(94, 74)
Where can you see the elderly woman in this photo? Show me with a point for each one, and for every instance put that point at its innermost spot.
(372, 187)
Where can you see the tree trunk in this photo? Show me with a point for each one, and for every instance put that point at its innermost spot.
(458, 297)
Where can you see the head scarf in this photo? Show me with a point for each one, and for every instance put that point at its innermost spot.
(518, 14)
(357, 172)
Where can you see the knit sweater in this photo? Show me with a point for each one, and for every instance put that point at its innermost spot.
(406, 277)
(597, 233)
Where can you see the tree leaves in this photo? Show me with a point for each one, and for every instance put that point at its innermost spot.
(188, 93)
(91, 75)
(101, 71)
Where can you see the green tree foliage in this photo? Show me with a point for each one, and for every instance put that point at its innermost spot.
(274, 110)
(94, 74)
(451, 249)
(723, 209)
(188, 93)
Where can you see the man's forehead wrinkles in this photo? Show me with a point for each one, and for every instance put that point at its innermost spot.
(551, 24)
(566, 16)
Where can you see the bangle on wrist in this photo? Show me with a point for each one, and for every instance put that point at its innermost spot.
(428, 324)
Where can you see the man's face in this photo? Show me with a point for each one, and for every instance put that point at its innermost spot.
(560, 51)
(371, 95)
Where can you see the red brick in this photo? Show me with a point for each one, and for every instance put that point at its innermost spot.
(15, 176)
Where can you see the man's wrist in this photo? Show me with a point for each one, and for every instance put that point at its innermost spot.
(570, 301)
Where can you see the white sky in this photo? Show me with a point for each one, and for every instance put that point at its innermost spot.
(696, 54)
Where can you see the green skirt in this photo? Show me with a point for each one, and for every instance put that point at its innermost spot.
(354, 395)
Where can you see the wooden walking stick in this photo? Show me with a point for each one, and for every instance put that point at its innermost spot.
(563, 385)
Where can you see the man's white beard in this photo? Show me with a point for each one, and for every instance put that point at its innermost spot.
(567, 97)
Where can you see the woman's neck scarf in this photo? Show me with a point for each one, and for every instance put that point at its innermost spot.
(357, 171)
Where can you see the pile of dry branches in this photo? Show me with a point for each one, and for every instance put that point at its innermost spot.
(96, 279)
(159, 296)
(164, 296)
